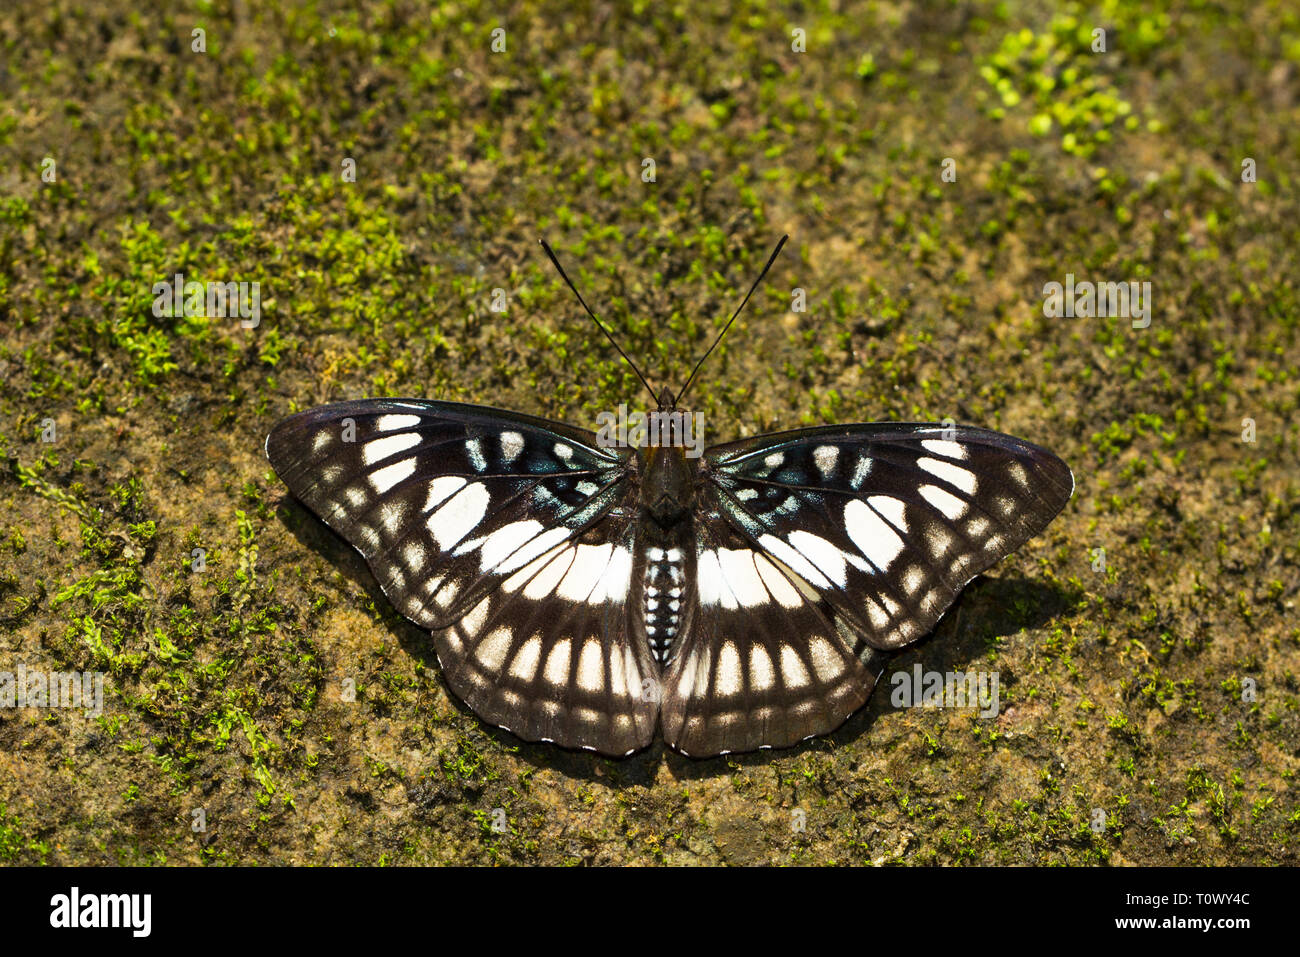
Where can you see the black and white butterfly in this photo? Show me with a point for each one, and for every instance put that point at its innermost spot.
(591, 596)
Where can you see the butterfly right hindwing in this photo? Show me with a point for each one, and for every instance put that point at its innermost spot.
(766, 662)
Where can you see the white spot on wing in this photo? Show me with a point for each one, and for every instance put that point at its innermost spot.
(879, 617)
(413, 555)
(891, 509)
(618, 575)
(827, 558)
(860, 472)
(794, 560)
(591, 667)
(392, 515)
(557, 664)
(780, 588)
(491, 651)
(391, 423)
(525, 664)
(875, 538)
(950, 505)
(506, 542)
(472, 623)
(952, 474)
(761, 675)
(741, 577)
(793, 671)
(913, 579)
(529, 550)
(939, 540)
(385, 478)
(618, 665)
(446, 592)
(440, 489)
(728, 676)
(512, 443)
(459, 516)
(943, 447)
(474, 449)
(389, 445)
(584, 576)
(708, 578)
(825, 661)
(544, 582)
(824, 457)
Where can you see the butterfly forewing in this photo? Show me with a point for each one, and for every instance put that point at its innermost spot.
(886, 522)
(509, 536)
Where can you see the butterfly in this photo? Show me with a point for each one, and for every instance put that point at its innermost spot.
(595, 595)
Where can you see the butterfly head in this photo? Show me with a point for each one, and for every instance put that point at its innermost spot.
(666, 400)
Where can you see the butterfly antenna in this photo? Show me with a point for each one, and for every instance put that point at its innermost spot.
(565, 277)
(771, 259)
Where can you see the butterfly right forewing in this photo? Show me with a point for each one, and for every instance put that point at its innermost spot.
(887, 522)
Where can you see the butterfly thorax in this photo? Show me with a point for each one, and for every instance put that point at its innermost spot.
(667, 489)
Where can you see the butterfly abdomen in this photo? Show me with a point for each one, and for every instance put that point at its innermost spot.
(669, 562)
(667, 547)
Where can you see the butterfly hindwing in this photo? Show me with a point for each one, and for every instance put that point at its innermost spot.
(765, 662)
(886, 522)
(551, 654)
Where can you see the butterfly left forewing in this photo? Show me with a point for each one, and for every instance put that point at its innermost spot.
(445, 501)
